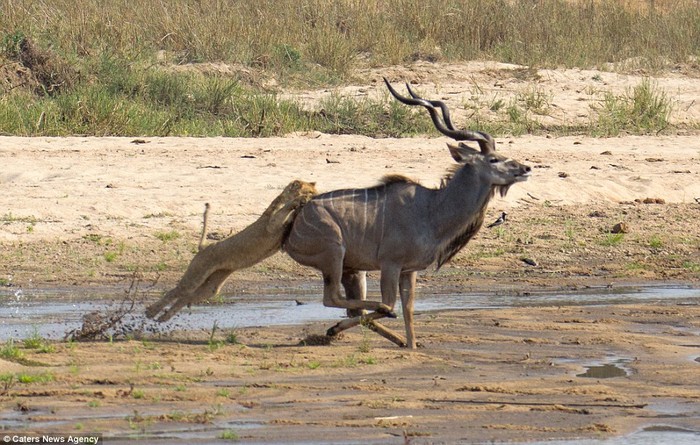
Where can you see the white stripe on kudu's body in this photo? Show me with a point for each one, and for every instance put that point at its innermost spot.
(404, 228)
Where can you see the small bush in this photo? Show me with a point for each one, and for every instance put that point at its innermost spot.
(35, 378)
(10, 351)
(229, 435)
(35, 341)
(168, 236)
(643, 109)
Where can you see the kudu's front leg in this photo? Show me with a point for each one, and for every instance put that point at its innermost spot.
(407, 288)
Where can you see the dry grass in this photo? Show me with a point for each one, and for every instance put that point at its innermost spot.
(286, 35)
(105, 68)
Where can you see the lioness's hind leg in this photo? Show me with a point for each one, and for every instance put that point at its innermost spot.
(155, 308)
(208, 289)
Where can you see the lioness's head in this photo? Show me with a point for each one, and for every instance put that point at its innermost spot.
(300, 189)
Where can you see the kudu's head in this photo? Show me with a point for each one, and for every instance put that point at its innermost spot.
(500, 171)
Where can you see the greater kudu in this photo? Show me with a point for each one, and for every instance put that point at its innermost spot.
(399, 227)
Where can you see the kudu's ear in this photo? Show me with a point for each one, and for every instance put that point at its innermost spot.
(461, 151)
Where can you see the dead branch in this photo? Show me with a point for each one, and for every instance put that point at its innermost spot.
(205, 217)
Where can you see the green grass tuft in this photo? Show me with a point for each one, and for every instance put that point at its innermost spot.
(10, 351)
(643, 109)
(612, 239)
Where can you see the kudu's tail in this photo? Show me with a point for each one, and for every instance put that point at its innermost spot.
(213, 264)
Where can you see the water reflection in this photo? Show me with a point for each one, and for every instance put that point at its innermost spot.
(606, 371)
(639, 438)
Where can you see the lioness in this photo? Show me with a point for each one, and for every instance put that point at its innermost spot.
(212, 265)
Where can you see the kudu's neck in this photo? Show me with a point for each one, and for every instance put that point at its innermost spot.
(460, 203)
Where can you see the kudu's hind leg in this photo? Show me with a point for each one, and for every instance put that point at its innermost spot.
(355, 284)
(332, 276)
(368, 320)
(331, 297)
(389, 287)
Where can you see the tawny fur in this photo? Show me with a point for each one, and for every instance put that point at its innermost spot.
(213, 264)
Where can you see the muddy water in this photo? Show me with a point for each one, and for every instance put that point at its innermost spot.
(51, 313)
(643, 437)
(607, 371)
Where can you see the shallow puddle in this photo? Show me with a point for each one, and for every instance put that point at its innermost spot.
(672, 408)
(654, 433)
(51, 313)
(606, 371)
(643, 437)
(170, 432)
(610, 367)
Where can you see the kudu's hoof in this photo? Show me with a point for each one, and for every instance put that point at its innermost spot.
(386, 312)
(352, 313)
(332, 331)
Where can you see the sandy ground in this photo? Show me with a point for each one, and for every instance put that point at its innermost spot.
(482, 375)
(92, 211)
(554, 97)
